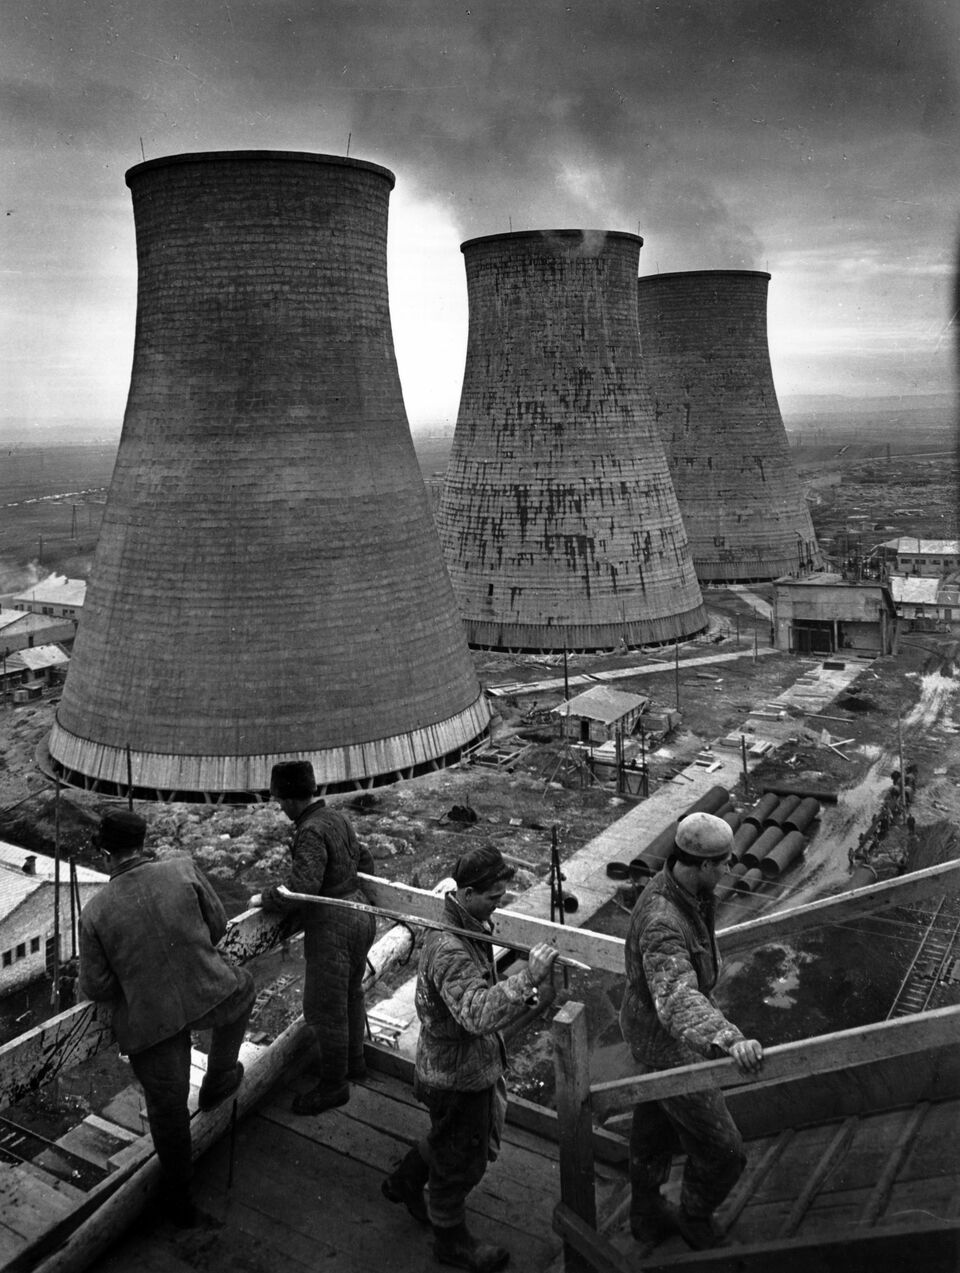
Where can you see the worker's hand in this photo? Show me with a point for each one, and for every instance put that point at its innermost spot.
(541, 961)
(256, 900)
(748, 1055)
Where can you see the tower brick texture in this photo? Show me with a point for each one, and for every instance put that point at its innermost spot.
(705, 352)
(558, 518)
(268, 582)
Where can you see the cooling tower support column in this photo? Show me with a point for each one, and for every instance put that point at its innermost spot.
(704, 338)
(558, 518)
(268, 582)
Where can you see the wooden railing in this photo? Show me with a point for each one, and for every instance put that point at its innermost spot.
(579, 1102)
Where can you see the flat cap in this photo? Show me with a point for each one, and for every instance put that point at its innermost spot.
(704, 835)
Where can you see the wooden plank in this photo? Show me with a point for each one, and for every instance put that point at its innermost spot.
(572, 1067)
(816, 1178)
(757, 1170)
(933, 1248)
(880, 1193)
(916, 886)
(594, 1252)
(89, 1234)
(824, 1053)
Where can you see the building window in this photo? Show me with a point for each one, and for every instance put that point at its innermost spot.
(7, 958)
(34, 945)
(21, 950)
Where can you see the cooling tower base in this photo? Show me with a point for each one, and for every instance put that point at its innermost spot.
(89, 766)
(531, 638)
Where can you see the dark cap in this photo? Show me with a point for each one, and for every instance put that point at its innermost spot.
(481, 868)
(705, 836)
(120, 831)
(293, 780)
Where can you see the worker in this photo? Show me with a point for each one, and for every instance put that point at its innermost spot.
(325, 859)
(669, 1019)
(147, 946)
(461, 1060)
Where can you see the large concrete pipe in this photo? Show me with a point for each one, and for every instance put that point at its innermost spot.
(807, 811)
(762, 846)
(728, 881)
(783, 855)
(783, 810)
(750, 881)
(743, 837)
(762, 809)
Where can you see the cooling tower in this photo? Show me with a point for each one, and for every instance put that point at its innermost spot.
(704, 338)
(558, 518)
(268, 582)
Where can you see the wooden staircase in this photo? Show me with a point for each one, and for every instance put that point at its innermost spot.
(876, 1193)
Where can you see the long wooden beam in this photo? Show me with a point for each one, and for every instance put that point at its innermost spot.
(913, 887)
(842, 1050)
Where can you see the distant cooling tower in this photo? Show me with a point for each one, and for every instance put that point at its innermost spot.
(558, 518)
(704, 339)
(268, 582)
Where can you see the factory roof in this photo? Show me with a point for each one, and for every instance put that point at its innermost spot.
(925, 547)
(601, 703)
(55, 590)
(18, 881)
(915, 590)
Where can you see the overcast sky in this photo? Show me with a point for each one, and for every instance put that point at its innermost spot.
(815, 139)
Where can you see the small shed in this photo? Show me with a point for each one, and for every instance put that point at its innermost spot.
(603, 712)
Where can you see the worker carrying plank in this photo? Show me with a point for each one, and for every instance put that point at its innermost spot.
(669, 1019)
(325, 858)
(461, 1059)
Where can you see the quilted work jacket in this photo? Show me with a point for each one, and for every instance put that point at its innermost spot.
(147, 945)
(462, 1006)
(668, 1016)
(325, 858)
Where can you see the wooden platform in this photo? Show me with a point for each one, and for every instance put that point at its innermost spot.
(306, 1195)
(872, 1194)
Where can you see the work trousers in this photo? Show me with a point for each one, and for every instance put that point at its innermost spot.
(335, 954)
(163, 1072)
(464, 1136)
(699, 1124)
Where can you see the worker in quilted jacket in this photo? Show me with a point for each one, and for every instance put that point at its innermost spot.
(669, 1019)
(461, 1060)
(325, 859)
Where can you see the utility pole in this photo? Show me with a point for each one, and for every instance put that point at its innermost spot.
(676, 671)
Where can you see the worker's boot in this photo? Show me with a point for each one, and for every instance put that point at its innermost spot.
(218, 1085)
(652, 1219)
(699, 1232)
(406, 1183)
(460, 1249)
(321, 1098)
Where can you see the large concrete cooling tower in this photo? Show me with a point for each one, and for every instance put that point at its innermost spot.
(704, 339)
(558, 518)
(268, 582)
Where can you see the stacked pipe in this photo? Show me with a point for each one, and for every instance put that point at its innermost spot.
(716, 800)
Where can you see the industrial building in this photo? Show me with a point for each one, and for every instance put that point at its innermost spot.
(268, 582)
(558, 517)
(707, 363)
(827, 614)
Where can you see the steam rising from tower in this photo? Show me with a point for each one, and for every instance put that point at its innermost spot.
(704, 339)
(558, 518)
(268, 582)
